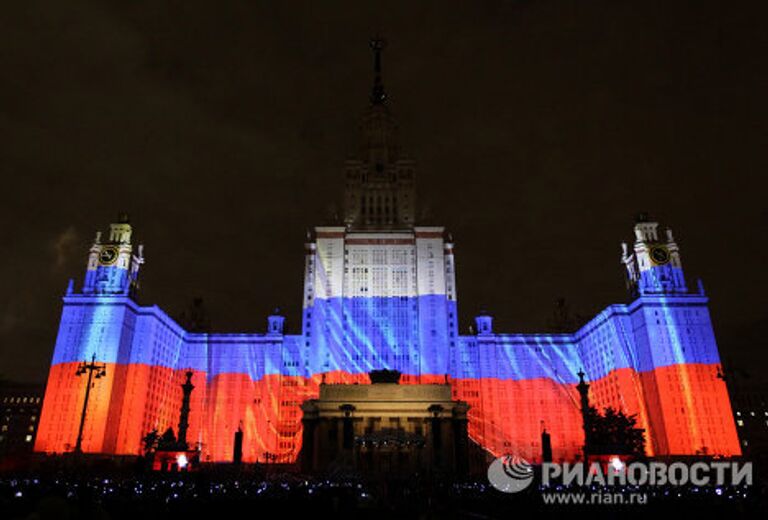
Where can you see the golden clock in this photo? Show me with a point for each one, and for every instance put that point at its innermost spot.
(659, 255)
(108, 255)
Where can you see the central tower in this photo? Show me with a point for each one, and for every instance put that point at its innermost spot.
(379, 291)
(379, 190)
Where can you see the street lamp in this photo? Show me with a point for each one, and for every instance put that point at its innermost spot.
(101, 371)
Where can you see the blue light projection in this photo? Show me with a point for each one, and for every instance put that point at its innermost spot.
(357, 334)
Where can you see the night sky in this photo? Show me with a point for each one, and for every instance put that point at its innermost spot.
(540, 128)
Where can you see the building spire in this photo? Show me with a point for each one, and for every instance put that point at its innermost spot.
(378, 96)
(379, 187)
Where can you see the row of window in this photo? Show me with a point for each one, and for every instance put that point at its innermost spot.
(21, 400)
(27, 438)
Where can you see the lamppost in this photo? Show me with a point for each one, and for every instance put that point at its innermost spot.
(90, 368)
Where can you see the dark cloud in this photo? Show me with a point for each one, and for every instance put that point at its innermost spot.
(540, 129)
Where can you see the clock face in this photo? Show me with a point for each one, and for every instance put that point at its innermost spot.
(108, 255)
(659, 255)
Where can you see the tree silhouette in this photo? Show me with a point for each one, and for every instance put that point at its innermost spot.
(613, 433)
(150, 441)
(167, 441)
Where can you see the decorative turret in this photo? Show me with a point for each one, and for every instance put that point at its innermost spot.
(484, 323)
(113, 267)
(653, 266)
(275, 323)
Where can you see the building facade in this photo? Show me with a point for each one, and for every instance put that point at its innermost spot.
(385, 428)
(380, 293)
(750, 407)
(21, 405)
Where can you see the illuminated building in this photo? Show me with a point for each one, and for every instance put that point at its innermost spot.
(380, 293)
(750, 406)
(19, 417)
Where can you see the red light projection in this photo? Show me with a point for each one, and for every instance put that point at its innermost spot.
(685, 414)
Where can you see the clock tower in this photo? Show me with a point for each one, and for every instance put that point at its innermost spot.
(653, 267)
(113, 267)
